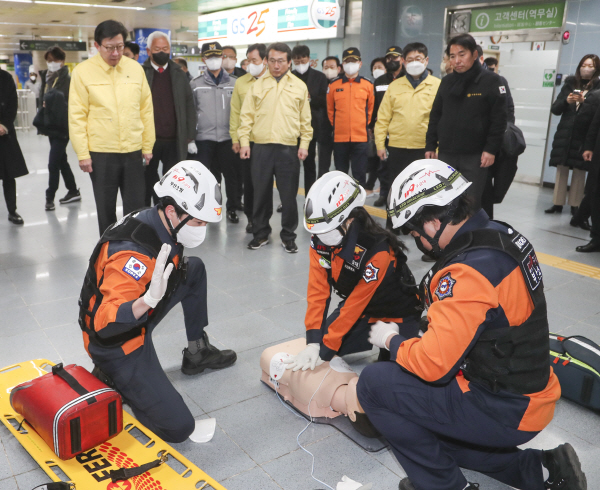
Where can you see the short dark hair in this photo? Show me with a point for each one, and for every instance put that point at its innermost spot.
(418, 47)
(329, 58)
(465, 40)
(169, 201)
(109, 29)
(465, 208)
(282, 48)
(380, 60)
(181, 61)
(260, 47)
(133, 47)
(56, 52)
(230, 47)
(479, 50)
(491, 61)
(300, 51)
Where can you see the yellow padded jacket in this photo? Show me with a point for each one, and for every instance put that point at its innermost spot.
(110, 108)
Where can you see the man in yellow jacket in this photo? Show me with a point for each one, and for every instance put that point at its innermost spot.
(111, 123)
(275, 114)
(256, 68)
(404, 112)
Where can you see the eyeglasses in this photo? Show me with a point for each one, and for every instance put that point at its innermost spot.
(277, 62)
(233, 57)
(112, 49)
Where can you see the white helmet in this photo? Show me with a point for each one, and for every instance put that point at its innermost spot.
(194, 188)
(330, 200)
(423, 183)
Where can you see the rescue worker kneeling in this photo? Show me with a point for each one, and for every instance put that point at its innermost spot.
(365, 265)
(137, 273)
(478, 383)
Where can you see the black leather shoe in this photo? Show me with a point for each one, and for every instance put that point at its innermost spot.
(593, 246)
(380, 202)
(15, 218)
(554, 209)
(583, 224)
(233, 217)
(405, 484)
(249, 227)
(207, 357)
(280, 208)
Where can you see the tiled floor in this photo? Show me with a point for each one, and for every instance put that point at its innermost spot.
(256, 299)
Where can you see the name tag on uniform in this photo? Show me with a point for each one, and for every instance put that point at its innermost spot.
(381, 88)
(339, 89)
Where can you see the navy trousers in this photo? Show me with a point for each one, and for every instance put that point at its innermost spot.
(435, 429)
(352, 154)
(140, 378)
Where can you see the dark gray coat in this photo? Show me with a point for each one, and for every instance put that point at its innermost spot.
(12, 163)
(185, 111)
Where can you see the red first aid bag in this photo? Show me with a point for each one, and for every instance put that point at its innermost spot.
(72, 410)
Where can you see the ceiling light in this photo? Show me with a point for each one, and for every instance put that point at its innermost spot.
(63, 25)
(56, 37)
(71, 4)
(15, 24)
(19, 1)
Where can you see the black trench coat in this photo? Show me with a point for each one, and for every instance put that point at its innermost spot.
(12, 163)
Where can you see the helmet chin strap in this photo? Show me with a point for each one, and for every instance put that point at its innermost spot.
(435, 252)
(181, 224)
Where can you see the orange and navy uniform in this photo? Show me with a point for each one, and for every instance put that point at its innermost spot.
(376, 296)
(350, 105)
(478, 290)
(124, 271)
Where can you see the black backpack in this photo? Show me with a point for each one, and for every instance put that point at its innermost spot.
(576, 362)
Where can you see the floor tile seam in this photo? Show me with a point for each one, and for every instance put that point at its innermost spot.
(268, 344)
(227, 406)
(224, 481)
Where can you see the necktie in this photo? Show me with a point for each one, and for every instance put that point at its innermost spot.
(161, 69)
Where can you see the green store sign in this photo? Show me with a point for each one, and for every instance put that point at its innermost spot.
(517, 17)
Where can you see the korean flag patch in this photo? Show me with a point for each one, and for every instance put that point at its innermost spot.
(370, 273)
(445, 287)
(502, 89)
(135, 268)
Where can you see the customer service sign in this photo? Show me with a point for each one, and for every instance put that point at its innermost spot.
(287, 20)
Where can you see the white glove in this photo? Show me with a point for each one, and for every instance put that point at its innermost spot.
(192, 148)
(308, 358)
(160, 277)
(381, 331)
(348, 484)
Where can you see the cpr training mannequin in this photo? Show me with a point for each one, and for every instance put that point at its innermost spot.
(327, 391)
(365, 265)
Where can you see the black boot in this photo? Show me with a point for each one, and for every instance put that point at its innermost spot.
(565, 470)
(207, 357)
(554, 209)
(593, 246)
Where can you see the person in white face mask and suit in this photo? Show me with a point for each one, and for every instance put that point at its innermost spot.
(403, 114)
(317, 84)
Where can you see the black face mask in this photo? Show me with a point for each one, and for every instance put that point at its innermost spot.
(392, 65)
(160, 58)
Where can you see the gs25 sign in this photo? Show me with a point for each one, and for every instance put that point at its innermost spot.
(255, 20)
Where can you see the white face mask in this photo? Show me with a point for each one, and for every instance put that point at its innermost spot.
(331, 238)
(330, 73)
(53, 66)
(415, 68)
(255, 70)
(228, 64)
(351, 69)
(377, 73)
(586, 73)
(214, 63)
(302, 68)
(191, 236)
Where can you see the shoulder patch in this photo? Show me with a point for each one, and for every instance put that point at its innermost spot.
(358, 255)
(135, 268)
(532, 269)
(370, 273)
(502, 89)
(445, 287)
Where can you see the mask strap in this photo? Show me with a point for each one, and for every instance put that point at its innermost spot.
(181, 224)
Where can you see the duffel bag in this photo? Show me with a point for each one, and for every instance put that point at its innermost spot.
(72, 410)
(576, 362)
